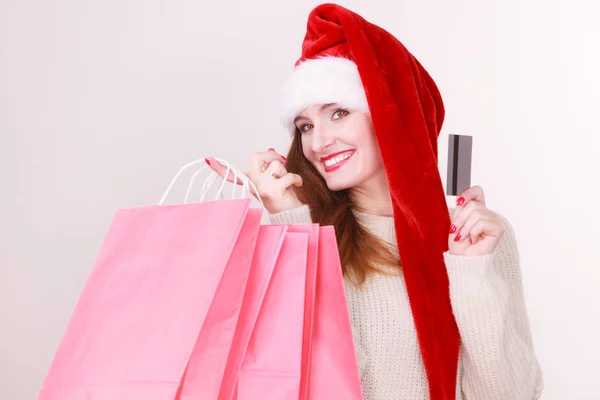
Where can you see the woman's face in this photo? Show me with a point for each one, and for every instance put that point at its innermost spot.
(341, 144)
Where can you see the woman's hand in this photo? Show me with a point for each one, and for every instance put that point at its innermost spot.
(274, 184)
(475, 230)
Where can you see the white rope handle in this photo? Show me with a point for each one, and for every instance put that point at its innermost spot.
(208, 184)
(205, 186)
(247, 184)
(235, 179)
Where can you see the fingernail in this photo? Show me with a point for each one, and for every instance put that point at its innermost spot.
(271, 150)
(457, 238)
(460, 201)
(283, 158)
(452, 228)
(470, 240)
(207, 161)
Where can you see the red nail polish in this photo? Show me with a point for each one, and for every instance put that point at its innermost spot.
(284, 159)
(271, 150)
(457, 238)
(470, 240)
(460, 201)
(207, 161)
(452, 228)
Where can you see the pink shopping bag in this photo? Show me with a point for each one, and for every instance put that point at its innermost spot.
(334, 368)
(309, 302)
(148, 295)
(208, 360)
(266, 253)
(272, 365)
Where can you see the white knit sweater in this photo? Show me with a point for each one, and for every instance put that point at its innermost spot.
(496, 360)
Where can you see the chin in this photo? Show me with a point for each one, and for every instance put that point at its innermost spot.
(337, 184)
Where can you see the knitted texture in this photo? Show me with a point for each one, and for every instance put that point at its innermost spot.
(496, 360)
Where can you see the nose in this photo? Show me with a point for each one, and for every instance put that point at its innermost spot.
(321, 139)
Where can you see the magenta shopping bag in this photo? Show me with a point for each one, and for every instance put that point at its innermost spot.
(272, 364)
(334, 369)
(145, 304)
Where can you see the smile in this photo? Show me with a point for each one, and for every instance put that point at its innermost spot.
(336, 160)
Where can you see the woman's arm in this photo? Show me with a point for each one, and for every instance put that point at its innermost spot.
(496, 347)
(298, 215)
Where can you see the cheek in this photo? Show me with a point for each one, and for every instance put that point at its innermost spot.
(307, 148)
(373, 147)
(374, 157)
(369, 147)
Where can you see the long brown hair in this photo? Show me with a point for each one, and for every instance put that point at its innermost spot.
(360, 251)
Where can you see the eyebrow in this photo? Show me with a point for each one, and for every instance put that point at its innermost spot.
(321, 108)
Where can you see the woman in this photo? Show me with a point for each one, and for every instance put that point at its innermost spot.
(435, 295)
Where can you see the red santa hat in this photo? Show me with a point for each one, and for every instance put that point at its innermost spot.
(347, 60)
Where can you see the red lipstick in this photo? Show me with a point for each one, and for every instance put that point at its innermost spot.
(335, 161)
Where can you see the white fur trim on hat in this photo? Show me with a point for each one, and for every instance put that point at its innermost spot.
(322, 80)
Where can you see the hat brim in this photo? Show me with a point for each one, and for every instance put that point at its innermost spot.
(323, 80)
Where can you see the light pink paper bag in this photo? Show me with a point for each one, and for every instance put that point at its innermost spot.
(266, 254)
(309, 299)
(208, 360)
(271, 368)
(334, 368)
(141, 311)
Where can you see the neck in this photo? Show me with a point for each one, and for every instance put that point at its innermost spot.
(373, 196)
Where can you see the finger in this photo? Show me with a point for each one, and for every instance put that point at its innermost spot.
(273, 150)
(466, 228)
(461, 214)
(478, 224)
(290, 179)
(221, 170)
(260, 160)
(485, 227)
(474, 193)
(277, 168)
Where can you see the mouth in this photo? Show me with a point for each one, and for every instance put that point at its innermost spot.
(335, 161)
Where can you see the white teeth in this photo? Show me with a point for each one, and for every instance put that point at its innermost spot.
(337, 159)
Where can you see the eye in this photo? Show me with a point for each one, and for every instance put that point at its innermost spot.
(303, 128)
(340, 113)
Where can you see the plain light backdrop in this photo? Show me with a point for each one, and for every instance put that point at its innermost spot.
(102, 101)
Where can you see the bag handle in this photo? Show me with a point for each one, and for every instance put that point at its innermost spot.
(209, 182)
(247, 184)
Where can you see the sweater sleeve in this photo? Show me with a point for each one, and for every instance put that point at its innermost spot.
(298, 215)
(498, 359)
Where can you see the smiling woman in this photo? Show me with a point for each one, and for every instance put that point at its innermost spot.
(434, 295)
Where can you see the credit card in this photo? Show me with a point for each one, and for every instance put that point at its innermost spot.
(460, 148)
